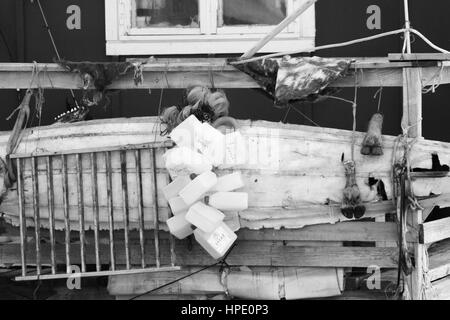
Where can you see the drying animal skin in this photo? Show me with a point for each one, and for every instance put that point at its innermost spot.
(372, 144)
(351, 202)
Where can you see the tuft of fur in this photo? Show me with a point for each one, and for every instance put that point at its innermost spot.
(352, 206)
(205, 104)
(373, 143)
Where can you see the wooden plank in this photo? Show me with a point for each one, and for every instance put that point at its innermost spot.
(412, 102)
(418, 56)
(439, 260)
(345, 231)
(182, 74)
(416, 279)
(434, 231)
(249, 253)
(440, 290)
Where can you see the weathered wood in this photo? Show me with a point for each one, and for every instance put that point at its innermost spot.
(434, 231)
(412, 102)
(440, 290)
(418, 56)
(248, 283)
(181, 74)
(288, 156)
(345, 231)
(248, 253)
(416, 279)
(439, 260)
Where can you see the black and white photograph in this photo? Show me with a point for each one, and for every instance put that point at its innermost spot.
(225, 157)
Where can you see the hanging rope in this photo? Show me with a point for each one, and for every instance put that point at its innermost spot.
(354, 106)
(379, 94)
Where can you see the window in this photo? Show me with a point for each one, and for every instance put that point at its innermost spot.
(153, 27)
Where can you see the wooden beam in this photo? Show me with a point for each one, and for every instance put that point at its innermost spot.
(439, 260)
(434, 231)
(179, 73)
(248, 253)
(418, 57)
(346, 231)
(412, 102)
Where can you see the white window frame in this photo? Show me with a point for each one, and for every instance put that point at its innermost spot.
(122, 39)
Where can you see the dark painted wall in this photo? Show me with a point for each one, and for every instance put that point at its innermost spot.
(22, 27)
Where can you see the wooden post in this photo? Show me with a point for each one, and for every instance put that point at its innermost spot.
(283, 24)
(412, 102)
(412, 124)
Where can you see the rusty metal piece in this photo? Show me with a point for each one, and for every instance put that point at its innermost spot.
(95, 209)
(36, 214)
(156, 206)
(126, 210)
(66, 211)
(137, 161)
(81, 211)
(22, 218)
(51, 211)
(110, 208)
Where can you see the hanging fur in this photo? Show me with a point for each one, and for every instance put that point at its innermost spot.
(352, 206)
(373, 142)
(206, 105)
(101, 75)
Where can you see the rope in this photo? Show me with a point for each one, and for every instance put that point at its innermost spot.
(379, 93)
(354, 106)
(305, 116)
(344, 44)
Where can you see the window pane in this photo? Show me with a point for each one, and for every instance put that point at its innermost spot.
(166, 14)
(252, 12)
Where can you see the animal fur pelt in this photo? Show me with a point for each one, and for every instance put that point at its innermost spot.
(352, 206)
(100, 75)
(373, 143)
(288, 80)
(205, 104)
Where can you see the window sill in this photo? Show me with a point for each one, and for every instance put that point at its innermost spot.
(189, 45)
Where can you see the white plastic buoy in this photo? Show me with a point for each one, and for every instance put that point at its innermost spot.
(217, 242)
(180, 227)
(171, 191)
(185, 134)
(178, 206)
(204, 217)
(198, 187)
(228, 201)
(184, 161)
(230, 182)
(211, 143)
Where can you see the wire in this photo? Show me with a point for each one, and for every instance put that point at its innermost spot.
(49, 31)
(221, 262)
(344, 44)
(305, 116)
(11, 57)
